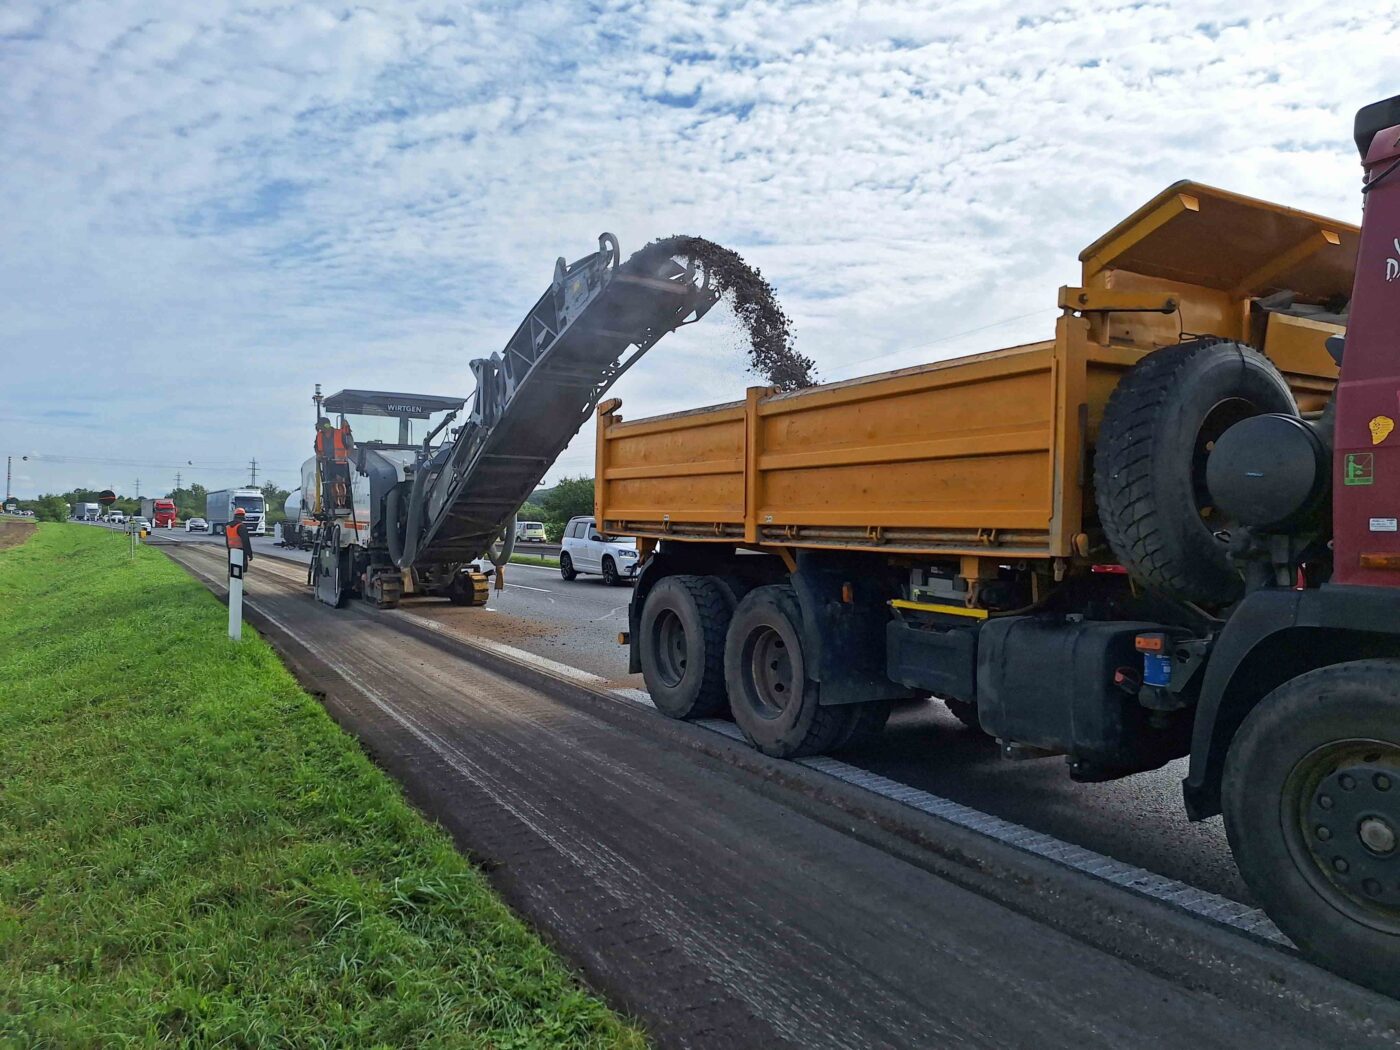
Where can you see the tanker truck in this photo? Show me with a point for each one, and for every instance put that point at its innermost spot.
(1170, 530)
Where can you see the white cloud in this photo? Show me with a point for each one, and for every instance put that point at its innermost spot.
(210, 207)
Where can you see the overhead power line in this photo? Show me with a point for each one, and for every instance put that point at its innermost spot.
(44, 457)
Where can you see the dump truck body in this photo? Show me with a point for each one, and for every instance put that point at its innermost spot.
(985, 455)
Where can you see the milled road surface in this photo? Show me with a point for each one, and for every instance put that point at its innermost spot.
(1138, 820)
(700, 889)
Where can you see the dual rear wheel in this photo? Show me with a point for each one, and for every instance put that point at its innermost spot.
(709, 642)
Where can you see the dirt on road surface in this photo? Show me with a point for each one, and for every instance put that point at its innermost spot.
(13, 533)
(731, 900)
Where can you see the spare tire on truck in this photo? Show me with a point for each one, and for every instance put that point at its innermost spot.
(1158, 430)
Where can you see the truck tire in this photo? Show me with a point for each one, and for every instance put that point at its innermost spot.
(775, 703)
(865, 722)
(1160, 424)
(1312, 810)
(682, 631)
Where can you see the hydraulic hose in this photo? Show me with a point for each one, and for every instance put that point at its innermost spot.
(404, 548)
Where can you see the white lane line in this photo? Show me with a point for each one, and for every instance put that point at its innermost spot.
(522, 587)
(1211, 907)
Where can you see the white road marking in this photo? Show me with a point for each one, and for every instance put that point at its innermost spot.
(522, 587)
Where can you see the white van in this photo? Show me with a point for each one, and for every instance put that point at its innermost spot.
(529, 532)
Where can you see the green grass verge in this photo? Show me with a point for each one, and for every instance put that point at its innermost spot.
(534, 559)
(192, 852)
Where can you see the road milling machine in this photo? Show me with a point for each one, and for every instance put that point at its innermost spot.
(397, 513)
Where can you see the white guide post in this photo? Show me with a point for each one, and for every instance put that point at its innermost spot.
(235, 594)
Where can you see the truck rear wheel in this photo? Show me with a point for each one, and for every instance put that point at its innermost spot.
(1150, 462)
(682, 633)
(774, 701)
(1312, 809)
(864, 723)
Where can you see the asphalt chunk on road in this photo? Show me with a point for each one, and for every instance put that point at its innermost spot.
(695, 898)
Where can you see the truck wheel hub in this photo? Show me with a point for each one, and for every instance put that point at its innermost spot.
(772, 672)
(671, 647)
(1377, 836)
(1349, 828)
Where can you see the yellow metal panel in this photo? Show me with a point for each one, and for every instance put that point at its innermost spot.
(1225, 239)
(1136, 228)
(752, 477)
(1270, 270)
(675, 470)
(948, 610)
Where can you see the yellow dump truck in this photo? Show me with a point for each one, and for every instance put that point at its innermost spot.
(1170, 530)
(902, 507)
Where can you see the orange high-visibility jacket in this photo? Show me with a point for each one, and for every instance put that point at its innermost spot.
(237, 538)
(339, 443)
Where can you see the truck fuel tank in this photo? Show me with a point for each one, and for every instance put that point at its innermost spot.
(1068, 686)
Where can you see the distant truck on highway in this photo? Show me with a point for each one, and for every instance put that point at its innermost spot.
(87, 511)
(220, 505)
(1169, 531)
(161, 513)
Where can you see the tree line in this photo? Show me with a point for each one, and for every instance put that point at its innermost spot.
(570, 498)
(190, 502)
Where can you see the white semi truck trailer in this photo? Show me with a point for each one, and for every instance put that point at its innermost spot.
(220, 505)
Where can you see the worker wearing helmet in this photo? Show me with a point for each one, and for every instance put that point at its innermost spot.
(237, 538)
(333, 446)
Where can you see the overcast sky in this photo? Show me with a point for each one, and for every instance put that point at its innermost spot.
(206, 208)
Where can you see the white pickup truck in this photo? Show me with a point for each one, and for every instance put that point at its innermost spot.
(584, 550)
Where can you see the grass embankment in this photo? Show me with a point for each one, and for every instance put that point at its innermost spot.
(192, 851)
(534, 559)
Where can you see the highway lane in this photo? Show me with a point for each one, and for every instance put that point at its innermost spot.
(1138, 820)
(647, 851)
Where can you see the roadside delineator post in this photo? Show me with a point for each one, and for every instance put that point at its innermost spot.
(235, 593)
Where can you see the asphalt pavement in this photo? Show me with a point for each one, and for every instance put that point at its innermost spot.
(729, 899)
(1138, 820)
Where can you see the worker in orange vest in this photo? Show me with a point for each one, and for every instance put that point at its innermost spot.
(333, 445)
(237, 538)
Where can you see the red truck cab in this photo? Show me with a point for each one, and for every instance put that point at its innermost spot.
(163, 514)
